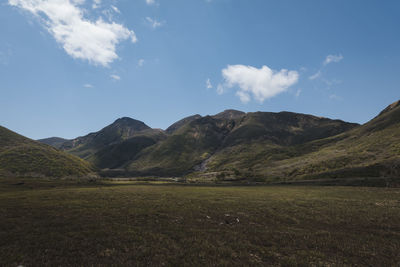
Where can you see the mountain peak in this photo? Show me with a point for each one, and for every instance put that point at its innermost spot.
(130, 123)
(229, 114)
(171, 129)
(124, 119)
(121, 129)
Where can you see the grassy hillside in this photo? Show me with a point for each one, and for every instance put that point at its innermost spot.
(174, 127)
(22, 156)
(284, 128)
(371, 150)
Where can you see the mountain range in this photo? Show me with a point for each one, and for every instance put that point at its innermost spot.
(234, 145)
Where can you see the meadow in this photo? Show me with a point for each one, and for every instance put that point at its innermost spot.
(61, 222)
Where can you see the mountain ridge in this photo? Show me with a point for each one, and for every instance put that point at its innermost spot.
(266, 146)
(120, 130)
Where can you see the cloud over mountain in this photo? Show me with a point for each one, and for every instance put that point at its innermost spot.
(261, 83)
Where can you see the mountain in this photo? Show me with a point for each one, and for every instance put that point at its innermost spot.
(120, 130)
(180, 152)
(369, 150)
(209, 141)
(53, 141)
(254, 146)
(22, 156)
(116, 155)
(229, 114)
(171, 129)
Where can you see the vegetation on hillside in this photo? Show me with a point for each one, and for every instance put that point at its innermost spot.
(192, 147)
(20, 156)
(255, 146)
(120, 130)
(370, 150)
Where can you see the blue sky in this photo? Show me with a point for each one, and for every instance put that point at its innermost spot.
(70, 67)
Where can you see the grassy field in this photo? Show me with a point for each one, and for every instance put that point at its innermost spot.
(49, 222)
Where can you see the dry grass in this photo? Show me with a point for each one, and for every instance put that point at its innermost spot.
(48, 222)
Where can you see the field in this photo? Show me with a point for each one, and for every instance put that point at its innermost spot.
(51, 223)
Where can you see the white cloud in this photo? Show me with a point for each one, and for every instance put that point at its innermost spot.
(88, 85)
(81, 38)
(332, 58)
(115, 77)
(154, 23)
(141, 62)
(208, 84)
(315, 76)
(261, 83)
(150, 2)
(298, 92)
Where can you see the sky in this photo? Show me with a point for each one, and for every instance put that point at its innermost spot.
(70, 67)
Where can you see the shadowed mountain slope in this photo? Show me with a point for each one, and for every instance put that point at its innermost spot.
(122, 129)
(22, 156)
(185, 148)
(118, 154)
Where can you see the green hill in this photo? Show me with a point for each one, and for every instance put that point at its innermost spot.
(22, 156)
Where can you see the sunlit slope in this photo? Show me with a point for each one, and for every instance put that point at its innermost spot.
(370, 150)
(22, 156)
